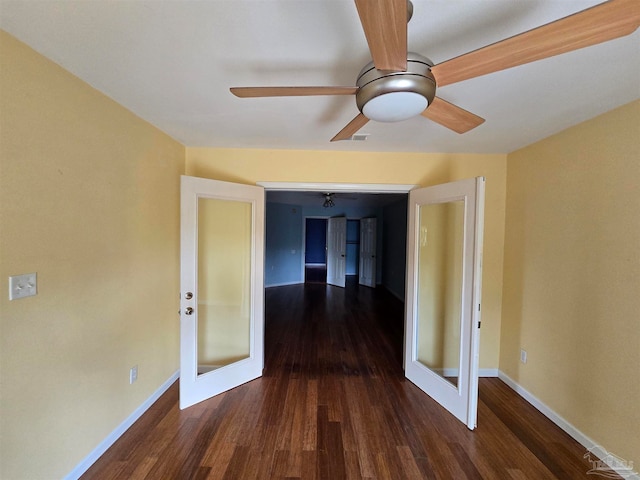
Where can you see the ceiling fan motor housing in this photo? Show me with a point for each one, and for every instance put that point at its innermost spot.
(418, 79)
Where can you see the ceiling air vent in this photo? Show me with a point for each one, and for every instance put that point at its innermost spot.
(359, 137)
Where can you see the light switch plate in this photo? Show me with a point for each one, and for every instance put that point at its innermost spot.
(21, 286)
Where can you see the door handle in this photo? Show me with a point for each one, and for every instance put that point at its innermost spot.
(188, 311)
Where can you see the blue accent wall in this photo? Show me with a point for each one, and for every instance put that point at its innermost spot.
(342, 209)
(316, 240)
(283, 244)
(284, 247)
(394, 240)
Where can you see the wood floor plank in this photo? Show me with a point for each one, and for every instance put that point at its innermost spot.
(333, 404)
(310, 434)
(409, 465)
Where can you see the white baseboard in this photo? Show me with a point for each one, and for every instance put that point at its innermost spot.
(572, 431)
(576, 434)
(488, 372)
(90, 459)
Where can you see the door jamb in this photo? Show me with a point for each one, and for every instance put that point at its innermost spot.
(339, 187)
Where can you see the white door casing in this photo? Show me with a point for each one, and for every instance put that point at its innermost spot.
(194, 386)
(459, 394)
(337, 251)
(367, 271)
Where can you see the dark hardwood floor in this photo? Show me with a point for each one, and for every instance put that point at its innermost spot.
(333, 404)
(315, 273)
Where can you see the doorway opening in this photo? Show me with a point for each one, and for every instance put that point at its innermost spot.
(288, 258)
(315, 250)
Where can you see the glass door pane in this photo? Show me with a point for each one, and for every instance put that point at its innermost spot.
(439, 299)
(224, 282)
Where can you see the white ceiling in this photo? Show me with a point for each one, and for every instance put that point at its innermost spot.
(172, 63)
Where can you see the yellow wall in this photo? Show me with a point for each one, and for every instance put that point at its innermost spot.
(250, 166)
(571, 276)
(89, 198)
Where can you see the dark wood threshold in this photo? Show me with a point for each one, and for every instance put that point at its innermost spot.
(315, 273)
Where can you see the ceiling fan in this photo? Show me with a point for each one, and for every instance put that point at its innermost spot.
(398, 84)
(328, 198)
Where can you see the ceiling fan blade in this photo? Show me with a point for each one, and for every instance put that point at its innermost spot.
(606, 21)
(449, 115)
(385, 26)
(250, 92)
(352, 127)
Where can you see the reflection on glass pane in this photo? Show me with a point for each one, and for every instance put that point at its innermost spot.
(224, 283)
(440, 254)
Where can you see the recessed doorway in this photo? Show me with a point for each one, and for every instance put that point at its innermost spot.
(315, 252)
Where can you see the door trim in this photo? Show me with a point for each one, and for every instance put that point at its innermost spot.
(339, 187)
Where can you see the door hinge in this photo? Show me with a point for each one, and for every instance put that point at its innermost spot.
(479, 323)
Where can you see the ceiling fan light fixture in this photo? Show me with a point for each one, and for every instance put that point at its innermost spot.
(395, 96)
(395, 106)
(328, 200)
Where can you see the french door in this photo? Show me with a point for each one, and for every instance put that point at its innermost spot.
(367, 271)
(337, 251)
(221, 287)
(444, 248)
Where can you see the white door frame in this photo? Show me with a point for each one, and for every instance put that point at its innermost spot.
(338, 187)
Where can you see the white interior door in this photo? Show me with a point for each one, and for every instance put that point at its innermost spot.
(337, 251)
(221, 287)
(444, 249)
(367, 273)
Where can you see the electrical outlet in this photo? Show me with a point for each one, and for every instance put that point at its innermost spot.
(133, 374)
(523, 356)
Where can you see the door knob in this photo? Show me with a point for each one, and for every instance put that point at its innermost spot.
(189, 311)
